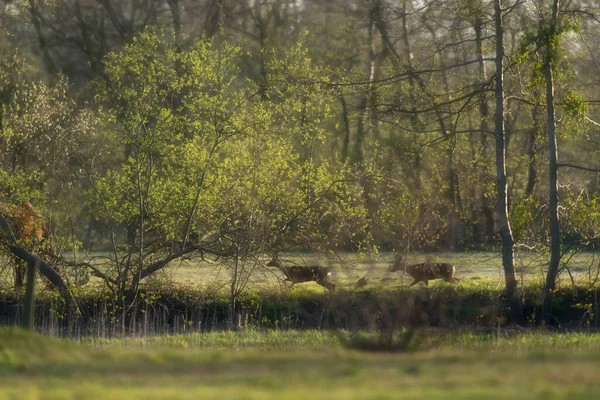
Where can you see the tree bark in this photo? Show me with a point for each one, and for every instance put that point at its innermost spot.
(484, 113)
(7, 236)
(532, 152)
(212, 23)
(43, 43)
(502, 199)
(345, 117)
(362, 128)
(29, 306)
(553, 172)
(176, 19)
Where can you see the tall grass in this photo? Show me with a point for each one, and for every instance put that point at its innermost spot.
(298, 365)
(499, 341)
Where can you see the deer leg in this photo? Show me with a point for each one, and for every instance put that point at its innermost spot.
(426, 282)
(327, 285)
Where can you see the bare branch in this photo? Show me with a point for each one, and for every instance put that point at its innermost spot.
(569, 165)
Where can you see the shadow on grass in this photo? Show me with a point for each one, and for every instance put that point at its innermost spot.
(391, 342)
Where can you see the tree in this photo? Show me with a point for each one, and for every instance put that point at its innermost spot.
(551, 42)
(502, 184)
(41, 128)
(218, 174)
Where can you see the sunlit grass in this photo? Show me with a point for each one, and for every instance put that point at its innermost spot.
(483, 268)
(489, 340)
(462, 365)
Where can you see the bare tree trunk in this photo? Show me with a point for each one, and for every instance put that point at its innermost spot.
(532, 152)
(175, 19)
(212, 22)
(29, 306)
(235, 323)
(484, 113)
(35, 20)
(414, 117)
(346, 142)
(505, 230)
(363, 122)
(553, 169)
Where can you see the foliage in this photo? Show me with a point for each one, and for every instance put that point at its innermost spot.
(209, 161)
(222, 132)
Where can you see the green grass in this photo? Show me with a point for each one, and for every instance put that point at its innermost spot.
(486, 340)
(530, 365)
(347, 269)
(485, 267)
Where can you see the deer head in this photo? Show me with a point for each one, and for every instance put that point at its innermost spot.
(274, 261)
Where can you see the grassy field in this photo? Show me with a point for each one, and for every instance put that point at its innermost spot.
(299, 365)
(347, 269)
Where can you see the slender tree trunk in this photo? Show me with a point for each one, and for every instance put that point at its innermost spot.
(346, 118)
(362, 128)
(29, 306)
(505, 230)
(553, 172)
(234, 325)
(415, 123)
(532, 152)
(212, 22)
(484, 113)
(34, 14)
(175, 19)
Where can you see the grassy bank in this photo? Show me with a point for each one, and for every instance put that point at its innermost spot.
(181, 309)
(194, 297)
(479, 366)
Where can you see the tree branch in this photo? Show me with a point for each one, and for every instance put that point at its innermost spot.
(9, 239)
(569, 165)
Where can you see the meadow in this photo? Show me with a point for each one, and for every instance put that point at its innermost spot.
(192, 296)
(300, 365)
(348, 268)
(468, 356)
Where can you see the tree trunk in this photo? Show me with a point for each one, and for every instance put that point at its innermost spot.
(9, 240)
(346, 142)
(176, 19)
(235, 322)
(532, 152)
(34, 14)
(553, 172)
(505, 230)
(29, 309)
(212, 23)
(484, 113)
(362, 128)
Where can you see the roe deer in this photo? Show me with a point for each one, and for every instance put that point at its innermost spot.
(425, 272)
(300, 274)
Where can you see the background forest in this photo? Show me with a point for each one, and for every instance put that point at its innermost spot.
(150, 131)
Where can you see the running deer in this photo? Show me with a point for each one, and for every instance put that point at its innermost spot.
(300, 274)
(425, 272)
